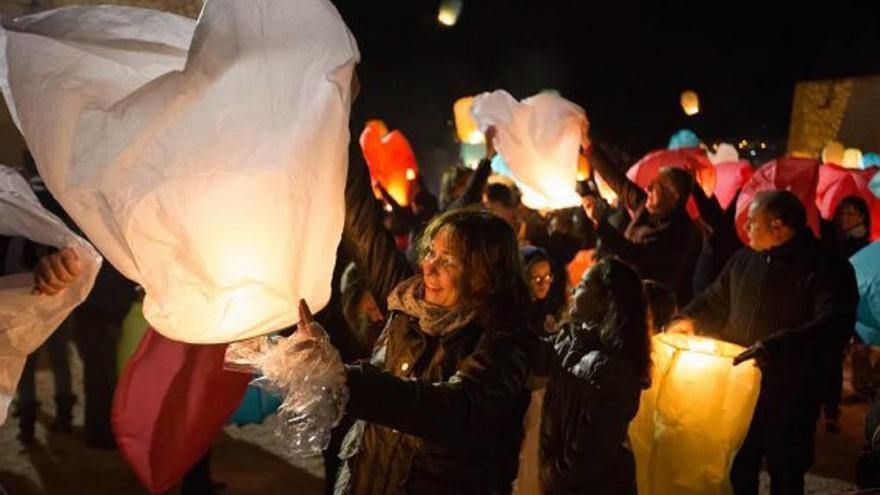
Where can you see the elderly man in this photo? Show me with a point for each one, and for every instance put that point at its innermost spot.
(785, 298)
(661, 241)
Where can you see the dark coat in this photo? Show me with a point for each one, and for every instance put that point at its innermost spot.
(436, 414)
(664, 249)
(591, 397)
(795, 299)
(720, 239)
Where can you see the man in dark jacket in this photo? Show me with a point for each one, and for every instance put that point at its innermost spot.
(661, 241)
(785, 298)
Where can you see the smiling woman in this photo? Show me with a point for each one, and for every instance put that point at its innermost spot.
(440, 403)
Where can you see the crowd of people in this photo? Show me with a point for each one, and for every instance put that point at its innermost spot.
(476, 365)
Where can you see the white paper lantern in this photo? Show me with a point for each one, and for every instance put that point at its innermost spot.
(852, 158)
(206, 161)
(539, 138)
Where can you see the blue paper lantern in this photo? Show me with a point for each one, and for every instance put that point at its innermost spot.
(684, 138)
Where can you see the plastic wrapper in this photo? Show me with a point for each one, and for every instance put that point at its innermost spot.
(539, 139)
(27, 320)
(197, 156)
(694, 418)
(306, 371)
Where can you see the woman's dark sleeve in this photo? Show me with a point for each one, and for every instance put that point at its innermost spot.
(381, 265)
(455, 412)
(710, 210)
(630, 194)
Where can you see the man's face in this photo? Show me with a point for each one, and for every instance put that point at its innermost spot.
(662, 196)
(763, 232)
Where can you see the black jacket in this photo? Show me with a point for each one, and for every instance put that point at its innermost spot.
(436, 414)
(795, 299)
(591, 397)
(664, 249)
(720, 239)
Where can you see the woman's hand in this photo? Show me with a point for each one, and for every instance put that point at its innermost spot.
(55, 272)
(491, 132)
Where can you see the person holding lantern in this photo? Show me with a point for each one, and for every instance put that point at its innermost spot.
(661, 241)
(787, 299)
(598, 365)
(440, 403)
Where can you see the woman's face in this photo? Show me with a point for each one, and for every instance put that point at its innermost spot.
(589, 300)
(540, 278)
(442, 272)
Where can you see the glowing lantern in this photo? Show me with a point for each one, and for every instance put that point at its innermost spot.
(205, 160)
(581, 262)
(867, 266)
(465, 125)
(870, 160)
(724, 153)
(833, 153)
(449, 11)
(471, 154)
(389, 158)
(539, 139)
(583, 170)
(694, 418)
(852, 158)
(836, 183)
(690, 102)
(684, 138)
(694, 160)
(798, 175)
(729, 179)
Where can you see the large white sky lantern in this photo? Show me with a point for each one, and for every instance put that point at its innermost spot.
(539, 138)
(205, 160)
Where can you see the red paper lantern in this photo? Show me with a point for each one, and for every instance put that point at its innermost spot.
(389, 157)
(693, 160)
(171, 402)
(798, 175)
(729, 179)
(836, 183)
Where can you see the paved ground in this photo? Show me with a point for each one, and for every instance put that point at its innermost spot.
(249, 459)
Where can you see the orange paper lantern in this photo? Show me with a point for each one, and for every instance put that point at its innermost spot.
(390, 159)
(465, 125)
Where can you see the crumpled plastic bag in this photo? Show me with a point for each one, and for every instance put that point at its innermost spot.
(694, 418)
(306, 371)
(205, 160)
(539, 139)
(27, 320)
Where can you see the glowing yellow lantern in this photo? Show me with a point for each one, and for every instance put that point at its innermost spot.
(449, 11)
(208, 168)
(833, 153)
(852, 158)
(694, 418)
(465, 125)
(690, 102)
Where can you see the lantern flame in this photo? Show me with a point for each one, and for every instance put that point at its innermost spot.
(410, 174)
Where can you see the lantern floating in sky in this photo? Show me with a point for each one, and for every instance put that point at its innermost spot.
(695, 416)
(205, 160)
(390, 159)
(852, 158)
(690, 102)
(465, 125)
(449, 11)
(539, 139)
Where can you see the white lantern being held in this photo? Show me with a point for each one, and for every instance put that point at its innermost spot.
(539, 139)
(205, 160)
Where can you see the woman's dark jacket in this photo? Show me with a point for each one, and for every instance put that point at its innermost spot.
(436, 414)
(592, 395)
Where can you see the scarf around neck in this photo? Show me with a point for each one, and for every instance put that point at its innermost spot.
(409, 297)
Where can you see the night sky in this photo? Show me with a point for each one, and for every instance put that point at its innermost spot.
(626, 63)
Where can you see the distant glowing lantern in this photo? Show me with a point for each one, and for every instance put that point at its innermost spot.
(685, 138)
(695, 416)
(465, 125)
(852, 158)
(213, 181)
(449, 11)
(690, 102)
(833, 153)
(471, 154)
(539, 139)
(389, 158)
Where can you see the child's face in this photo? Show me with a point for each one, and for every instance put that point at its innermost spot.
(589, 300)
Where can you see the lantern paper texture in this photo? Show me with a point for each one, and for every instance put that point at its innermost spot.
(694, 418)
(836, 183)
(465, 125)
(205, 160)
(390, 159)
(27, 320)
(539, 139)
(833, 153)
